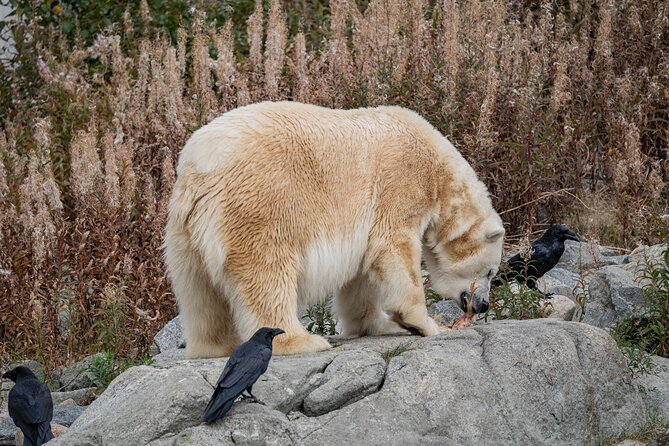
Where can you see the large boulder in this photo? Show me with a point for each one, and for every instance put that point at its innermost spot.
(509, 382)
(142, 404)
(614, 295)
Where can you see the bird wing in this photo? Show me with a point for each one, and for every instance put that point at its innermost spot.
(244, 367)
(542, 260)
(30, 402)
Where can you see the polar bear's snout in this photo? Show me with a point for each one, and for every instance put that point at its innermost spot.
(479, 300)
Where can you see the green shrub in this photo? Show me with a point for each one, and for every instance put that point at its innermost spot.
(321, 319)
(512, 300)
(107, 366)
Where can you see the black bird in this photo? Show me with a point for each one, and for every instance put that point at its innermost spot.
(30, 406)
(246, 364)
(546, 253)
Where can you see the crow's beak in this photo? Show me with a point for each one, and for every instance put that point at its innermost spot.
(571, 236)
(277, 331)
(5, 375)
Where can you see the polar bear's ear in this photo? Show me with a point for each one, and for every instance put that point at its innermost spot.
(495, 234)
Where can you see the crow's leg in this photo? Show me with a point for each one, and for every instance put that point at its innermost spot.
(251, 396)
(532, 284)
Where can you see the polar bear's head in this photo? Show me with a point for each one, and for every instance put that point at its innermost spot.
(462, 262)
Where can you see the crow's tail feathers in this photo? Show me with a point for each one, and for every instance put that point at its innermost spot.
(218, 406)
(44, 433)
(37, 434)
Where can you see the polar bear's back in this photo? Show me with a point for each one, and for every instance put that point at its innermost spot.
(330, 135)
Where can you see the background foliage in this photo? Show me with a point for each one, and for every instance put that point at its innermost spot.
(561, 106)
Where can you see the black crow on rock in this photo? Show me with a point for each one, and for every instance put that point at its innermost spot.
(246, 364)
(30, 406)
(546, 253)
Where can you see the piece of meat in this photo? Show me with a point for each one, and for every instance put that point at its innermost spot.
(466, 319)
(463, 321)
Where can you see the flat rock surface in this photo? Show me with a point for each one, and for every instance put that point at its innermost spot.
(507, 382)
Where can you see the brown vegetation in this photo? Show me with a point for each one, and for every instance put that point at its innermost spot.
(561, 104)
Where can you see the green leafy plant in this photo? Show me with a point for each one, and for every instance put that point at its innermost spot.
(106, 366)
(512, 300)
(321, 319)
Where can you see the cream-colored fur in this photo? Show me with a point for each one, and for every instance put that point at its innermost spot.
(279, 204)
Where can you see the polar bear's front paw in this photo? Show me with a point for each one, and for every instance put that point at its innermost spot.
(299, 343)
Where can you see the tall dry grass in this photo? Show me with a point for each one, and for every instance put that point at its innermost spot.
(561, 106)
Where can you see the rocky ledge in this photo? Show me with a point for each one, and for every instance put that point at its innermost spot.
(512, 382)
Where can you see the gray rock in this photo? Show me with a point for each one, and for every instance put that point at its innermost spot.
(67, 415)
(613, 296)
(615, 260)
(644, 253)
(78, 376)
(169, 357)
(611, 251)
(287, 382)
(558, 281)
(141, 405)
(82, 397)
(246, 424)
(350, 377)
(445, 311)
(509, 382)
(283, 386)
(580, 256)
(561, 307)
(171, 336)
(382, 345)
(7, 431)
(656, 388)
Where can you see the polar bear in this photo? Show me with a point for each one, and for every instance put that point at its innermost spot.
(278, 205)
